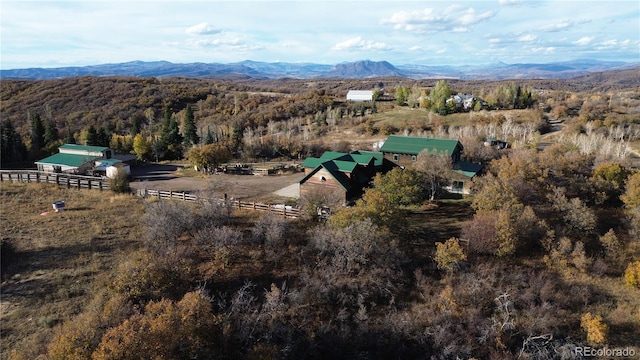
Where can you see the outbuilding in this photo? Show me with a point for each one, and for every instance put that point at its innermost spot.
(360, 95)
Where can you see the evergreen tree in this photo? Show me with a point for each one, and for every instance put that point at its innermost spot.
(103, 137)
(92, 136)
(209, 138)
(12, 149)
(68, 136)
(170, 138)
(37, 133)
(136, 123)
(189, 130)
(135, 128)
(51, 134)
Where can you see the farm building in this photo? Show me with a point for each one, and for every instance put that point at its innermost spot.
(82, 159)
(72, 158)
(360, 95)
(110, 167)
(345, 173)
(404, 150)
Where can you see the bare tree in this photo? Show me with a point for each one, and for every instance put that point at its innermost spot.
(437, 168)
(268, 231)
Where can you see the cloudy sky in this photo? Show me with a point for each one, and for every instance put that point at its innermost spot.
(76, 33)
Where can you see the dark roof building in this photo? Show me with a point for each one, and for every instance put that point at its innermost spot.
(346, 173)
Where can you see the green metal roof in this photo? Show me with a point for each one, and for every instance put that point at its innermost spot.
(344, 166)
(377, 156)
(357, 156)
(83, 147)
(67, 159)
(414, 145)
(332, 155)
(332, 168)
(109, 161)
(466, 168)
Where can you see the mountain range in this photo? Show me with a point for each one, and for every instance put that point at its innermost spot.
(352, 70)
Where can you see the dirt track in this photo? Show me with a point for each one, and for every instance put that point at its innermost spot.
(164, 177)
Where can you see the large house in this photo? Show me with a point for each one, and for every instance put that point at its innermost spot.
(404, 150)
(345, 173)
(81, 159)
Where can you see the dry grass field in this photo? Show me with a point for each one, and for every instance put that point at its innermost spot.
(58, 261)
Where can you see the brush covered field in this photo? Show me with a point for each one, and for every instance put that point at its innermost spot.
(117, 277)
(542, 259)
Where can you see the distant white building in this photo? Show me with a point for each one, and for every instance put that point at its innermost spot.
(360, 95)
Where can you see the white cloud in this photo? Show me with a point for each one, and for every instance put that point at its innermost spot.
(546, 50)
(509, 2)
(202, 29)
(527, 38)
(563, 25)
(495, 41)
(454, 18)
(358, 43)
(585, 40)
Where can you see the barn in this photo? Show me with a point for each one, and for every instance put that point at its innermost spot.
(72, 158)
(359, 95)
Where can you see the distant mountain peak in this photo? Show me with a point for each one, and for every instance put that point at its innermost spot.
(364, 69)
(351, 70)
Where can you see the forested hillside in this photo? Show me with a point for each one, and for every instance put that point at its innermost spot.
(257, 119)
(541, 259)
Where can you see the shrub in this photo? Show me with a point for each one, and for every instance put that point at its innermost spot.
(597, 331)
(120, 182)
(449, 254)
(632, 274)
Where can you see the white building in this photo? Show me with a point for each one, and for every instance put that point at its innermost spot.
(360, 95)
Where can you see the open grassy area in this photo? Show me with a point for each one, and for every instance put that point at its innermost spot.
(57, 261)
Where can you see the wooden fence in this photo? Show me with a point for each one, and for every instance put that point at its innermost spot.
(89, 182)
(68, 180)
(282, 210)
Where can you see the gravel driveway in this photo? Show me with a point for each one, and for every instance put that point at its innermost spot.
(246, 187)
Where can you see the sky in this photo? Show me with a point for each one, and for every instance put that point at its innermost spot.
(78, 33)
